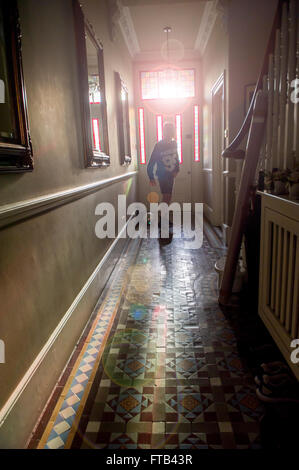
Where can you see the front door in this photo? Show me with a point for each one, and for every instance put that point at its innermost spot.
(183, 125)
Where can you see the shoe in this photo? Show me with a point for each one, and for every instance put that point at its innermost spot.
(165, 241)
(271, 369)
(278, 388)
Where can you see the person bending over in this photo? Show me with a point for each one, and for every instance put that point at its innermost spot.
(165, 158)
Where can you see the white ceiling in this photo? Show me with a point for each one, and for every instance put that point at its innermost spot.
(147, 19)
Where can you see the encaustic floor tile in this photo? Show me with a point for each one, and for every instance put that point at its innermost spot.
(162, 360)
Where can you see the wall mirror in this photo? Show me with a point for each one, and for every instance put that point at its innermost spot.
(92, 92)
(15, 143)
(123, 121)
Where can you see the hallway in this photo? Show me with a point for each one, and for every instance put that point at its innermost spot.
(113, 112)
(168, 375)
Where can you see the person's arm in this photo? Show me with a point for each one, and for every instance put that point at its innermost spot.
(151, 164)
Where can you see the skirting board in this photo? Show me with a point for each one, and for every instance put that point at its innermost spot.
(23, 408)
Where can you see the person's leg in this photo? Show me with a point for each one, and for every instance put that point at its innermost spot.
(166, 185)
(166, 197)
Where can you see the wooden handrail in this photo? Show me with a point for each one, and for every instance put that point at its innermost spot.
(255, 138)
(232, 151)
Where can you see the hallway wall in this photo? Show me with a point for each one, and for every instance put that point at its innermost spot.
(247, 46)
(47, 259)
(237, 44)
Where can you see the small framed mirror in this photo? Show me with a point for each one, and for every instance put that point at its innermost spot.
(92, 92)
(15, 143)
(123, 121)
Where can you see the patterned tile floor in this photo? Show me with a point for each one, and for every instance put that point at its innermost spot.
(160, 367)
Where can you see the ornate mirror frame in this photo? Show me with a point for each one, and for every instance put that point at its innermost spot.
(15, 151)
(94, 158)
(123, 121)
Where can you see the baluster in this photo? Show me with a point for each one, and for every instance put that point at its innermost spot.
(283, 87)
(290, 120)
(268, 163)
(276, 100)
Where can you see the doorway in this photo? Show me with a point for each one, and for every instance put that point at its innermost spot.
(182, 191)
(220, 165)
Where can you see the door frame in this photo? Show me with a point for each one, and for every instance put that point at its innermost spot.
(219, 165)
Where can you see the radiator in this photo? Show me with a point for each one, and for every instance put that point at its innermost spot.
(279, 272)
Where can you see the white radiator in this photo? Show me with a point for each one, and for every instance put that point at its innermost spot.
(279, 272)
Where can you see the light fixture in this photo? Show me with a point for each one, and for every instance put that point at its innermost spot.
(167, 30)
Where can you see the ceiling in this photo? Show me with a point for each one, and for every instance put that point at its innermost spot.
(146, 19)
(157, 2)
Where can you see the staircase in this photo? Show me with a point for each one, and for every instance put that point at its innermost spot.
(272, 130)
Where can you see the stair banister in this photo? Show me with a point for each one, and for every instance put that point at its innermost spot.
(233, 151)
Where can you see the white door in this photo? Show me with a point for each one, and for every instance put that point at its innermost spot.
(183, 125)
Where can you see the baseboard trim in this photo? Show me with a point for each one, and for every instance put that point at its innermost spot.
(14, 401)
(17, 211)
